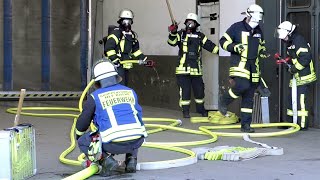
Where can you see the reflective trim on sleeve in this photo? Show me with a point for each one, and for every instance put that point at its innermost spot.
(227, 37)
(204, 40)
(215, 50)
(297, 64)
(111, 53)
(300, 50)
(137, 53)
(113, 37)
(232, 94)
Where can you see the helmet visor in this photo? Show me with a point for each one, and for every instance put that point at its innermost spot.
(257, 15)
(280, 33)
(126, 22)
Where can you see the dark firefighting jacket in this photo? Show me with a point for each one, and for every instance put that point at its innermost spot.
(246, 64)
(121, 46)
(190, 45)
(301, 58)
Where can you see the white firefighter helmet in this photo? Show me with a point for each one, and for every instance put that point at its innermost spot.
(284, 29)
(105, 73)
(192, 16)
(126, 14)
(255, 11)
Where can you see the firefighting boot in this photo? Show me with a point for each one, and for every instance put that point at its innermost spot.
(109, 166)
(186, 114)
(204, 113)
(131, 164)
(246, 128)
(185, 111)
(222, 106)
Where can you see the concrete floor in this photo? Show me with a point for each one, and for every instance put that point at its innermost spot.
(301, 159)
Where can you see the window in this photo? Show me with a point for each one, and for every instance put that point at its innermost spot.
(298, 3)
(303, 22)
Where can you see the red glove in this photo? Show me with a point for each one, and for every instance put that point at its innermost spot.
(149, 63)
(280, 60)
(173, 28)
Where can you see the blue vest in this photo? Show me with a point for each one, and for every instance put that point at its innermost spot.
(118, 116)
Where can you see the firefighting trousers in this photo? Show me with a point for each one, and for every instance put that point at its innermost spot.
(185, 83)
(302, 106)
(124, 73)
(241, 87)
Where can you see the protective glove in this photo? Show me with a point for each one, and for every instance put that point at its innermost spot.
(264, 54)
(263, 91)
(116, 63)
(292, 69)
(239, 48)
(95, 147)
(173, 28)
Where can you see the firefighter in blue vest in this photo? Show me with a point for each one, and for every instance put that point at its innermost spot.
(189, 65)
(122, 44)
(117, 115)
(302, 69)
(244, 40)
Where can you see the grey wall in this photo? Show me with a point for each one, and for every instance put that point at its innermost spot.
(1, 44)
(26, 34)
(156, 87)
(65, 59)
(26, 44)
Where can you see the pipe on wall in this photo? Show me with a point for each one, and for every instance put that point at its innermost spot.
(45, 44)
(7, 45)
(83, 42)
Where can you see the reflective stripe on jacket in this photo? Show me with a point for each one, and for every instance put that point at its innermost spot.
(299, 51)
(122, 45)
(118, 116)
(252, 40)
(190, 46)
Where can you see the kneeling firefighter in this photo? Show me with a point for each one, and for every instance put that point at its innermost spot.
(117, 115)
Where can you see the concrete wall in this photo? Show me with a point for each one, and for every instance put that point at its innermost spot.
(1, 44)
(26, 34)
(151, 19)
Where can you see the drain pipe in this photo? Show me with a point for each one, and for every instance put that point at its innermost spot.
(45, 44)
(83, 42)
(7, 45)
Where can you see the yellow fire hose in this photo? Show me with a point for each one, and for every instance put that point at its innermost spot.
(203, 130)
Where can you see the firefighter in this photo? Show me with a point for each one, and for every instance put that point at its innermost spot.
(122, 44)
(244, 40)
(189, 66)
(302, 69)
(117, 115)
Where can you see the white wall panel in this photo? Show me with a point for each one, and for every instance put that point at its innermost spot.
(230, 12)
(151, 21)
(210, 61)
